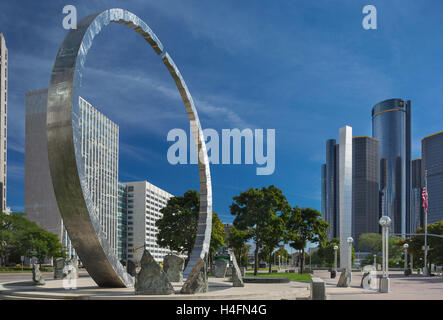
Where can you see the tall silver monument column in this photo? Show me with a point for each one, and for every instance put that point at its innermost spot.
(345, 192)
(65, 159)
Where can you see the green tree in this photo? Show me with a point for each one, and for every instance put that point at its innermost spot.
(305, 225)
(274, 234)
(177, 228)
(371, 241)
(22, 237)
(217, 235)
(257, 211)
(435, 252)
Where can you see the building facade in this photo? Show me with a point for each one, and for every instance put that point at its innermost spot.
(417, 212)
(101, 166)
(40, 203)
(100, 141)
(122, 222)
(365, 187)
(432, 170)
(330, 187)
(144, 202)
(3, 119)
(391, 125)
(345, 191)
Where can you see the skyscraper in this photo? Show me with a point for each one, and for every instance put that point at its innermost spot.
(100, 156)
(391, 125)
(365, 186)
(3, 118)
(345, 192)
(330, 188)
(100, 141)
(432, 164)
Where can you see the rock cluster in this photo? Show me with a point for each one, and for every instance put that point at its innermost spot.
(345, 279)
(173, 267)
(37, 276)
(220, 268)
(237, 279)
(197, 281)
(151, 279)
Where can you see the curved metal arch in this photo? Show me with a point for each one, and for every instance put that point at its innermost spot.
(65, 158)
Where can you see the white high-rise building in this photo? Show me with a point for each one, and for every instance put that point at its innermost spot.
(3, 118)
(345, 193)
(100, 154)
(144, 201)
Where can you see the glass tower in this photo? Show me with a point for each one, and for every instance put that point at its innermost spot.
(365, 186)
(432, 162)
(391, 125)
(330, 187)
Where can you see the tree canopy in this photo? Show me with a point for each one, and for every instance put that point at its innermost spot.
(177, 228)
(260, 212)
(305, 225)
(22, 237)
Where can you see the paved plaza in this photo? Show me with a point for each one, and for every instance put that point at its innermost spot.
(414, 287)
(20, 287)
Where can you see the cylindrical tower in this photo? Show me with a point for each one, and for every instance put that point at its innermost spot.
(391, 125)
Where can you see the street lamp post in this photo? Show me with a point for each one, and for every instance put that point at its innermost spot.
(426, 247)
(384, 222)
(349, 240)
(406, 246)
(375, 262)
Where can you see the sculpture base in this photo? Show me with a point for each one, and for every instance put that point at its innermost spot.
(384, 286)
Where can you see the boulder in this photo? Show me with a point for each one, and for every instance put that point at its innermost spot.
(197, 281)
(37, 276)
(131, 268)
(345, 279)
(221, 266)
(151, 279)
(173, 266)
(70, 275)
(58, 268)
(237, 279)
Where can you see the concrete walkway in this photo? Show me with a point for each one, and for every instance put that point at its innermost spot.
(414, 287)
(219, 289)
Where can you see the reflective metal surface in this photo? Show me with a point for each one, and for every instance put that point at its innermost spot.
(65, 159)
(391, 125)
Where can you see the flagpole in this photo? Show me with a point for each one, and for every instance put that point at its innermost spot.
(425, 268)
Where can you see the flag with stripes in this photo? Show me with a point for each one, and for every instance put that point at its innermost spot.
(424, 196)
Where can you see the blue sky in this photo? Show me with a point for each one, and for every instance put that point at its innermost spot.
(304, 68)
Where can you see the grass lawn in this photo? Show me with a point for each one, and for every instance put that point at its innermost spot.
(305, 277)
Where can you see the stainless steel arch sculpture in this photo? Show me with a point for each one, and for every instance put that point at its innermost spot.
(64, 150)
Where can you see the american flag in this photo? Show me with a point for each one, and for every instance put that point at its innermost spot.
(424, 196)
